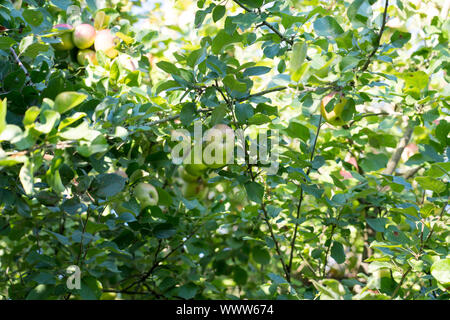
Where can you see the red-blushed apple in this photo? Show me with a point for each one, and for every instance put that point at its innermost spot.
(86, 56)
(334, 117)
(84, 36)
(65, 37)
(105, 41)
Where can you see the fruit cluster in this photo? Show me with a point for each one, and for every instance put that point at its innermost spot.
(86, 39)
(218, 147)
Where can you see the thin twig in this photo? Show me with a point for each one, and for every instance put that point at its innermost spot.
(265, 23)
(261, 93)
(20, 63)
(171, 118)
(157, 262)
(375, 49)
(300, 201)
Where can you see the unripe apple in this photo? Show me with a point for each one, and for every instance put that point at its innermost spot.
(105, 41)
(195, 169)
(219, 141)
(108, 296)
(84, 36)
(193, 166)
(186, 176)
(333, 117)
(66, 38)
(86, 56)
(193, 190)
(146, 194)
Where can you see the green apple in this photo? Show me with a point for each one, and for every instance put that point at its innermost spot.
(86, 56)
(219, 146)
(108, 296)
(186, 176)
(146, 194)
(334, 117)
(194, 167)
(65, 37)
(84, 36)
(105, 41)
(194, 190)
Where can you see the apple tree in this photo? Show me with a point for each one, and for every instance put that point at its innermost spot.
(350, 99)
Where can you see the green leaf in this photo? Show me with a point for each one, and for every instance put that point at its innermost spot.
(348, 62)
(440, 270)
(255, 191)
(188, 113)
(359, 13)
(65, 101)
(244, 111)
(218, 12)
(377, 224)
(187, 291)
(62, 239)
(49, 118)
(164, 231)
(327, 27)
(26, 177)
(168, 67)
(34, 49)
(40, 292)
(415, 82)
(297, 130)
(240, 276)
(6, 42)
(30, 116)
(169, 85)
(223, 39)
(234, 84)
(330, 289)
(91, 289)
(259, 119)
(337, 252)
(44, 278)
(297, 58)
(256, 71)
(253, 3)
(429, 183)
(261, 255)
(374, 162)
(33, 17)
(108, 184)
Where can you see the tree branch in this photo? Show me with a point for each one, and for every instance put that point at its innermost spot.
(171, 118)
(20, 63)
(258, 94)
(265, 23)
(375, 49)
(396, 156)
(157, 262)
(300, 201)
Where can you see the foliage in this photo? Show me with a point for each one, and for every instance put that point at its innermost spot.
(355, 211)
